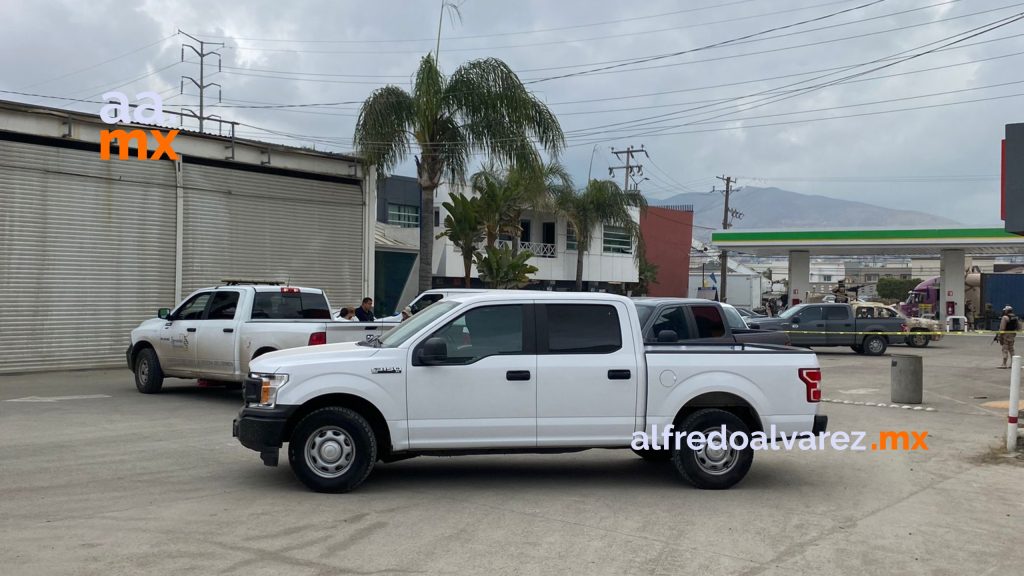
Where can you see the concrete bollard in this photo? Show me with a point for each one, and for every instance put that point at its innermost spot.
(907, 379)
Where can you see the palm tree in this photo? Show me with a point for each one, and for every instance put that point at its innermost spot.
(503, 268)
(482, 107)
(601, 202)
(505, 194)
(463, 227)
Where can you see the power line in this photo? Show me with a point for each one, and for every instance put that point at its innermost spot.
(94, 66)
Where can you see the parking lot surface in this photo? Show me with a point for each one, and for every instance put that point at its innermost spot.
(96, 478)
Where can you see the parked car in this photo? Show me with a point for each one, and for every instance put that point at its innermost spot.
(837, 325)
(216, 332)
(699, 320)
(430, 296)
(520, 371)
(747, 312)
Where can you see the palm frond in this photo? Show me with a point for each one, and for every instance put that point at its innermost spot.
(383, 127)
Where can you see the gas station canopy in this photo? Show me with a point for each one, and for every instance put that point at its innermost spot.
(871, 242)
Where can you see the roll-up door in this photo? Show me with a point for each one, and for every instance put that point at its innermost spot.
(257, 225)
(86, 253)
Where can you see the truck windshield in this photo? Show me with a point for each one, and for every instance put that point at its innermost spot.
(792, 311)
(410, 327)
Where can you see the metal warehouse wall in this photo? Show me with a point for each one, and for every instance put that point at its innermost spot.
(88, 247)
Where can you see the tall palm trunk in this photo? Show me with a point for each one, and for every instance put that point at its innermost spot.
(579, 265)
(467, 264)
(429, 176)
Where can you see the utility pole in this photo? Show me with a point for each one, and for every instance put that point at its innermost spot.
(201, 84)
(630, 168)
(727, 216)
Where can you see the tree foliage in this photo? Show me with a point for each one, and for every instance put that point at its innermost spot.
(483, 107)
(464, 228)
(895, 288)
(504, 268)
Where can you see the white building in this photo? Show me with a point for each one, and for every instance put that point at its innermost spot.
(607, 265)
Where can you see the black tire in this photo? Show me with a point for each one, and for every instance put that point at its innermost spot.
(149, 376)
(654, 455)
(697, 468)
(918, 341)
(874, 345)
(858, 349)
(328, 430)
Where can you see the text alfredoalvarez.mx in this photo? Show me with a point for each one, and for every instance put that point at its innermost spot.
(148, 110)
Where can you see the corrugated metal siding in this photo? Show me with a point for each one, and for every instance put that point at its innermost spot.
(86, 253)
(251, 225)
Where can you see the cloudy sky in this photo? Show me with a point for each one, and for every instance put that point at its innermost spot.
(797, 108)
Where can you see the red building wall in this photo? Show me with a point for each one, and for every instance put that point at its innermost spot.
(668, 233)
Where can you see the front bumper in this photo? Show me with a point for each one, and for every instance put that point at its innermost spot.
(820, 423)
(263, 430)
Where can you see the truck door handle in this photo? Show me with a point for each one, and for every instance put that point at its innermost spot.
(517, 375)
(190, 329)
(370, 328)
(620, 374)
(229, 330)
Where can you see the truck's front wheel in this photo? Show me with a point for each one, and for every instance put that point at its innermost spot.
(332, 450)
(149, 377)
(716, 465)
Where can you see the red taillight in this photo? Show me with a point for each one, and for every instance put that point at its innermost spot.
(289, 290)
(317, 338)
(811, 377)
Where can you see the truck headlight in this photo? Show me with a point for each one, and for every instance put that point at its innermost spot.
(269, 385)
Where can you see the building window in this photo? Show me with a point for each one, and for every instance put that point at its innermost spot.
(404, 215)
(617, 240)
(826, 278)
(437, 217)
(871, 277)
(570, 237)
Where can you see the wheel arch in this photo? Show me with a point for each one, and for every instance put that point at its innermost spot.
(139, 347)
(727, 401)
(374, 417)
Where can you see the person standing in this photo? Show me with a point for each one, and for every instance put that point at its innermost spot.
(969, 313)
(347, 314)
(365, 312)
(1008, 326)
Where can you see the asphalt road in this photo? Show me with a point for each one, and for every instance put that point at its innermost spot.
(114, 482)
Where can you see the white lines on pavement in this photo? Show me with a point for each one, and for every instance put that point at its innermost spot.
(880, 405)
(58, 398)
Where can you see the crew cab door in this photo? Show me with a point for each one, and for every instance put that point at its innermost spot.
(808, 327)
(217, 337)
(840, 325)
(177, 341)
(587, 375)
(484, 394)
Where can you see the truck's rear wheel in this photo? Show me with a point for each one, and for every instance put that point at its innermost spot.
(713, 467)
(654, 455)
(918, 340)
(332, 450)
(149, 377)
(874, 345)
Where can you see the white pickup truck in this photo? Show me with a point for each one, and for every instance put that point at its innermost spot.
(216, 332)
(520, 371)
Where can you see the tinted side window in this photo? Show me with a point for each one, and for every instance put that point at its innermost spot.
(837, 313)
(483, 332)
(671, 318)
(224, 306)
(290, 306)
(582, 329)
(709, 322)
(886, 313)
(193, 309)
(810, 314)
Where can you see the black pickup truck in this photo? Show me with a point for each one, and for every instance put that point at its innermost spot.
(839, 325)
(697, 320)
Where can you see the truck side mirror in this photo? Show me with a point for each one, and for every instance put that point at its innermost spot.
(668, 336)
(753, 326)
(163, 313)
(795, 320)
(433, 351)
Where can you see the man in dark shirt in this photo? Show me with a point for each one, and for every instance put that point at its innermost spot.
(365, 312)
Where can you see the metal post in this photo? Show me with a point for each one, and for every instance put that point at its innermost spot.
(1011, 419)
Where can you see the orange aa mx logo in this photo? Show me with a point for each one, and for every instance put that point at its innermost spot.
(148, 110)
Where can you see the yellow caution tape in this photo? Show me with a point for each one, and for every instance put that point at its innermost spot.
(912, 333)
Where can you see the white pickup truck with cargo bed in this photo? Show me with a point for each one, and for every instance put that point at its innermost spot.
(520, 372)
(216, 332)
